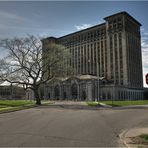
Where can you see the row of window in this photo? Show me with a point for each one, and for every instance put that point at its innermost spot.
(88, 56)
(116, 56)
(93, 35)
(135, 70)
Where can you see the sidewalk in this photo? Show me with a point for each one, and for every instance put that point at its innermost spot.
(65, 102)
(128, 137)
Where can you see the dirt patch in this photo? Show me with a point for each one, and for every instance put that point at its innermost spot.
(138, 141)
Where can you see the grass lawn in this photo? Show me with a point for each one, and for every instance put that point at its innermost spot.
(125, 103)
(144, 136)
(91, 103)
(9, 105)
(120, 103)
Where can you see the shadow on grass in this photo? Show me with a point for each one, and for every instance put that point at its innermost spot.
(72, 107)
(115, 105)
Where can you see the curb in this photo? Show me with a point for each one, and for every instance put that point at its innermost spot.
(124, 136)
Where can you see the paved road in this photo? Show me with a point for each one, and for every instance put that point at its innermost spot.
(68, 125)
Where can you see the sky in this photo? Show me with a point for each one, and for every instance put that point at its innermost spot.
(58, 18)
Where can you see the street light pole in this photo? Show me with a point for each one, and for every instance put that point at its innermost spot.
(98, 99)
(11, 91)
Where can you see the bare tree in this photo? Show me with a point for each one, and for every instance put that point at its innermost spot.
(28, 66)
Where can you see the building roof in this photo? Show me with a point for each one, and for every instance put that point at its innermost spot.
(87, 29)
(99, 25)
(80, 77)
(122, 13)
(86, 77)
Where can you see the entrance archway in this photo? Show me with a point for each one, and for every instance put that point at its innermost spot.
(74, 91)
(48, 95)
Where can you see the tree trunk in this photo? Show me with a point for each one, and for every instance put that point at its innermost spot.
(37, 97)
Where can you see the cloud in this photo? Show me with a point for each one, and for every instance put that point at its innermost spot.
(83, 26)
(6, 15)
(144, 45)
(13, 25)
(11, 21)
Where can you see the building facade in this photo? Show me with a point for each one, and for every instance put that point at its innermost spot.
(110, 51)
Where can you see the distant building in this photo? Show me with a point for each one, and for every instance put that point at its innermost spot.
(11, 93)
(112, 51)
(29, 94)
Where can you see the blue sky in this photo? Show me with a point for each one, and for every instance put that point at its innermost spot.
(53, 18)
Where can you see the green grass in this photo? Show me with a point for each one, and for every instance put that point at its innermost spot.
(144, 136)
(125, 103)
(14, 103)
(119, 103)
(92, 103)
(10, 105)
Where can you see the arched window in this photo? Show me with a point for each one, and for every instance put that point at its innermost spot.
(57, 92)
(64, 95)
(119, 98)
(83, 95)
(74, 91)
(48, 95)
(103, 96)
(108, 96)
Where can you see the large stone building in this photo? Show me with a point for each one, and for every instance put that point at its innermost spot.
(110, 51)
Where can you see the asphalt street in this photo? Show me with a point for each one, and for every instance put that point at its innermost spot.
(69, 126)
